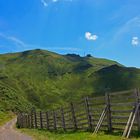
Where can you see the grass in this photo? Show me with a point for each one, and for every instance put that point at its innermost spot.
(45, 135)
(5, 117)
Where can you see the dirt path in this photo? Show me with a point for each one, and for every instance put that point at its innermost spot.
(7, 132)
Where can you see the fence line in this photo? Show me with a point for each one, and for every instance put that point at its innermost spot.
(85, 115)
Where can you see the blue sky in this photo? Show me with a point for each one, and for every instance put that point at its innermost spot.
(104, 28)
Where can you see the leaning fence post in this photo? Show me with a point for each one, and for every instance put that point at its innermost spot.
(90, 127)
(137, 102)
(73, 116)
(107, 96)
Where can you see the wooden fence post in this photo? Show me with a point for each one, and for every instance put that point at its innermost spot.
(137, 102)
(25, 120)
(35, 118)
(54, 120)
(47, 120)
(63, 119)
(73, 116)
(19, 120)
(22, 121)
(109, 120)
(90, 126)
(18, 123)
(41, 123)
(28, 117)
(32, 123)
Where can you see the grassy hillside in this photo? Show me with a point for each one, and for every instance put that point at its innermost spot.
(48, 80)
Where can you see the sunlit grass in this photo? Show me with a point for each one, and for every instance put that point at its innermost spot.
(45, 135)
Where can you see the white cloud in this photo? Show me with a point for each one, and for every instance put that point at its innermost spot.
(89, 36)
(135, 41)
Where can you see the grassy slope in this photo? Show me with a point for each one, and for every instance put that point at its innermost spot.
(5, 116)
(43, 135)
(11, 100)
(48, 80)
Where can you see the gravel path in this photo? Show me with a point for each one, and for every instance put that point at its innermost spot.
(7, 132)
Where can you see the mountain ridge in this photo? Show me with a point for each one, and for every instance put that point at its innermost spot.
(47, 80)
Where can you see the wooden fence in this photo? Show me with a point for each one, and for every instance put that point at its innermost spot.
(85, 115)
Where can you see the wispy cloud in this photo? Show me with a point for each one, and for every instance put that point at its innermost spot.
(17, 41)
(63, 48)
(126, 33)
(44, 2)
(55, 0)
(21, 45)
(14, 40)
(89, 36)
(69, 0)
(129, 27)
(47, 2)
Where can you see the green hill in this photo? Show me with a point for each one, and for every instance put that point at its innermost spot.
(47, 80)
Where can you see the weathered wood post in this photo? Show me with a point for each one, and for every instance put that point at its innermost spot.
(18, 123)
(22, 121)
(109, 120)
(89, 117)
(35, 118)
(54, 120)
(47, 120)
(31, 116)
(28, 118)
(63, 119)
(41, 121)
(73, 116)
(19, 120)
(137, 96)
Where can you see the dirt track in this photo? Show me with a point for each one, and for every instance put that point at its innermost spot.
(7, 132)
